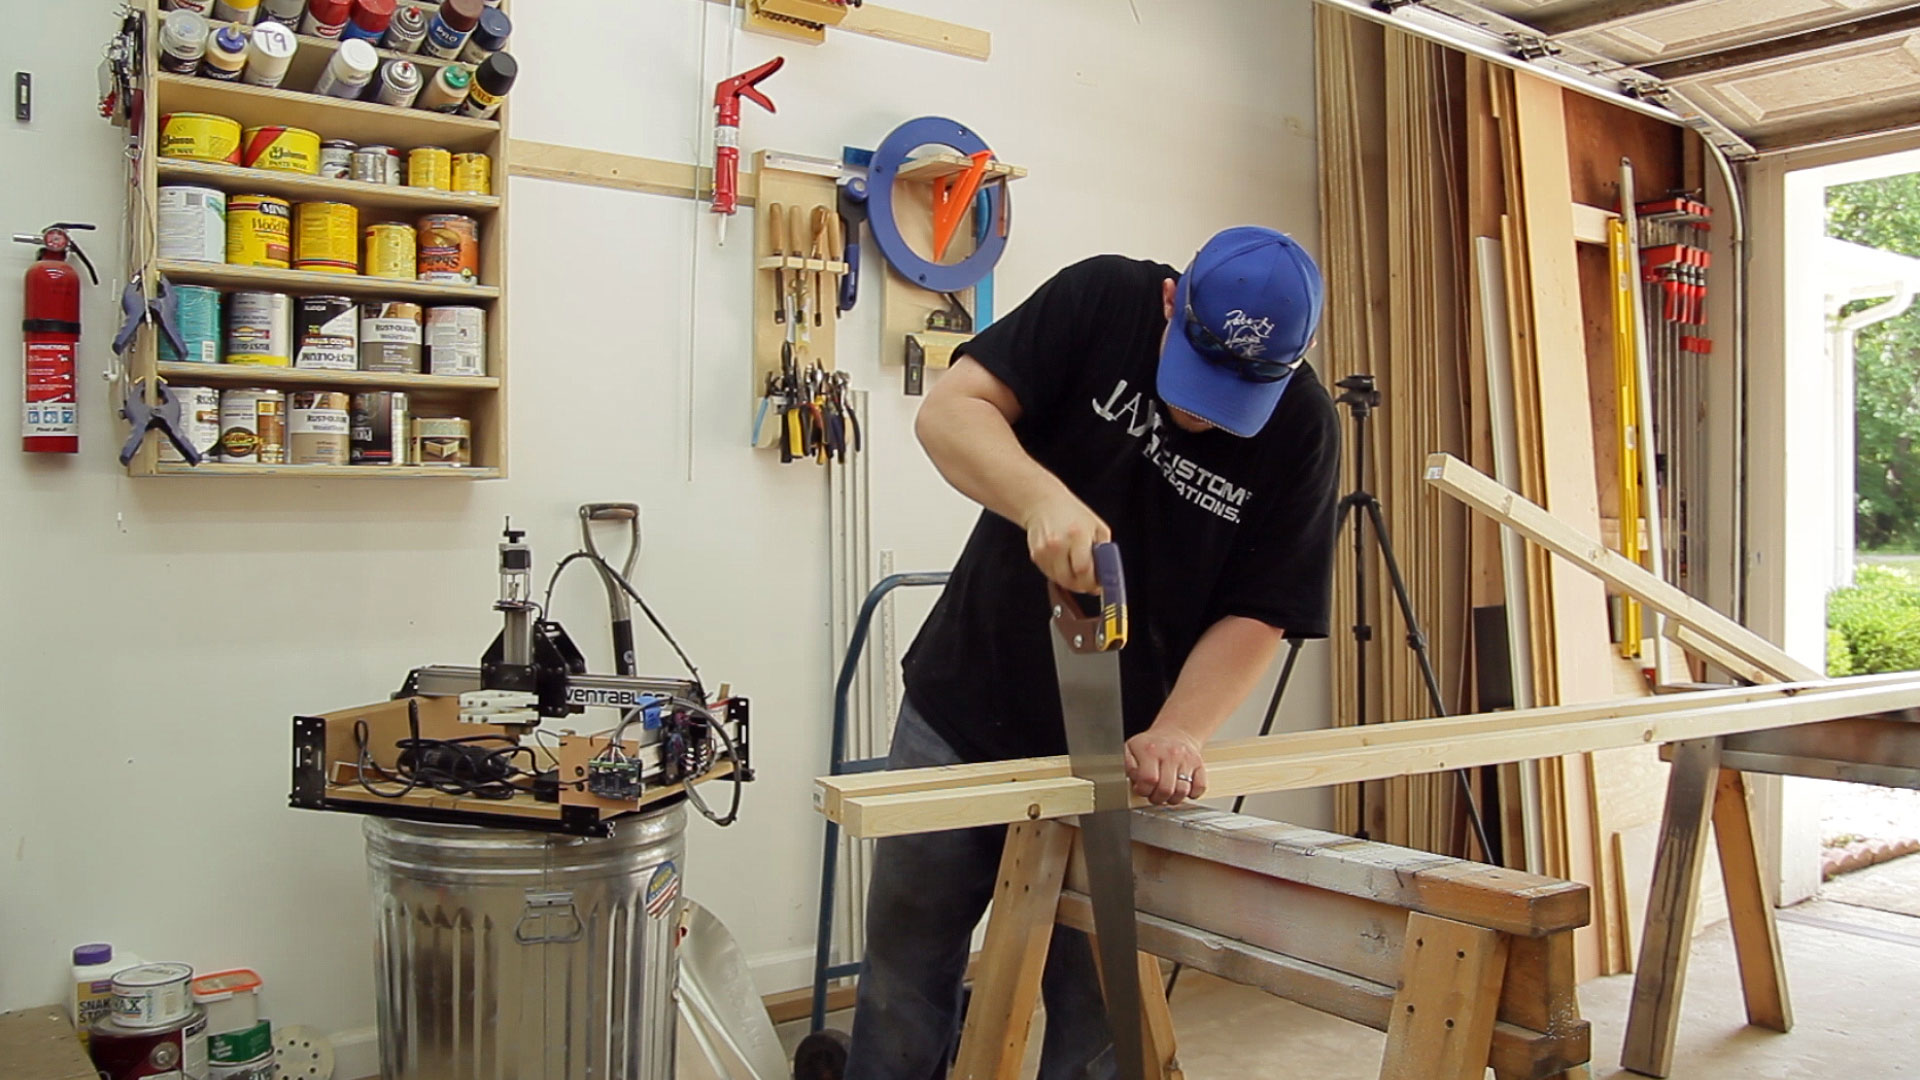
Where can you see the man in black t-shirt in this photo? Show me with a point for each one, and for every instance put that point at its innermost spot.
(1173, 414)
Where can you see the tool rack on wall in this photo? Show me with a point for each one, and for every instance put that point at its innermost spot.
(482, 399)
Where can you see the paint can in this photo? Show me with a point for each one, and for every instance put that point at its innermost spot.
(285, 12)
(269, 53)
(259, 231)
(326, 18)
(456, 341)
(473, 174)
(196, 314)
(489, 36)
(226, 55)
(430, 167)
(175, 1051)
(400, 84)
(390, 336)
(446, 91)
(260, 329)
(192, 136)
(199, 421)
(326, 237)
(368, 21)
(243, 12)
(235, 1032)
(192, 224)
(407, 30)
(152, 995)
(381, 424)
(183, 41)
(260, 1068)
(370, 164)
(253, 427)
(285, 149)
(203, 8)
(336, 159)
(442, 441)
(317, 428)
(491, 81)
(390, 251)
(349, 72)
(326, 333)
(447, 31)
(450, 249)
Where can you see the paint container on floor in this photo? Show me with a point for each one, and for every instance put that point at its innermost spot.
(269, 53)
(407, 30)
(430, 167)
(400, 84)
(326, 18)
(390, 252)
(253, 427)
(449, 249)
(232, 1001)
(196, 314)
(326, 333)
(449, 28)
(390, 337)
(183, 42)
(226, 55)
(176, 1051)
(259, 231)
(317, 428)
(491, 81)
(264, 1067)
(192, 224)
(199, 422)
(368, 21)
(442, 441)
(243, 12)
(489, 36)
(260, 329)
(152, 995)
(473, 174)
(281, 149)
(326, 237)
(349, 72)
(381, 427)
(336, 159)
(93, 968)
(456, 341)
(446, 90)
(193, 136)
(285, 12)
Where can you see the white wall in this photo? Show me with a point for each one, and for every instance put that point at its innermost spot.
(162, 632)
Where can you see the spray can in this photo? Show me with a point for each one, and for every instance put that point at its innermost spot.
(490, 85)
(269, 51)
(285, 12)
(326, 18)
(226, 55)
(243, 12)
(183, 41)
(489, 36)
(407, 30)
(202, 8)
(448, 31)
(369, 20)
(349, 71)
(447, 90)
(399, 83)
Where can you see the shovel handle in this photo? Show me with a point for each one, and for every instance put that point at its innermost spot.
(1105, 630)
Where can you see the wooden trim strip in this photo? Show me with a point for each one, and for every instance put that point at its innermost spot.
(622, 172)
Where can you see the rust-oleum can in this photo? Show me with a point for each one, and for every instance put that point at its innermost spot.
(326, 237)
(317, 427)
(326, 333)
(391, 336)
(382, 428)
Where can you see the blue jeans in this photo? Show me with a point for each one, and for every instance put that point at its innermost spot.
(927, 895)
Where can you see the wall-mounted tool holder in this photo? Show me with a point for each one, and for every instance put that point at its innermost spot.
(799, 249)
(796, 20)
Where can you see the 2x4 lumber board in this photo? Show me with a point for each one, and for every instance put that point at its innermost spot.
(1756, 937)
(1439, 885)
(1442, 1022)
(832, 792)
(622, 172)
(1672, 719)
(1007, 981)
(1582, 550)
(1706, 650)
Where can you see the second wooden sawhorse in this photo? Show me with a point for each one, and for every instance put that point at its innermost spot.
(1463, 965)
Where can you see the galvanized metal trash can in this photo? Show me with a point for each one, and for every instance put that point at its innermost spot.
(510, 955)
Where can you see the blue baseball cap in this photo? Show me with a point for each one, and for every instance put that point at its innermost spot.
(1244, 314)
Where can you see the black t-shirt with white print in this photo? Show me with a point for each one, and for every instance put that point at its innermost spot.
(1209, 524)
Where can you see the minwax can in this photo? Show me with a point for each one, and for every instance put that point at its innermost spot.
(326, 237)
(390, 251)
(259, 231)
(430, 167)
(473, 174)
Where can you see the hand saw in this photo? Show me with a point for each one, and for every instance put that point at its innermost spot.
(1086, 657)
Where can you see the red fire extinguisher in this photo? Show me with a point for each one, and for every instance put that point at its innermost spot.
(51, 422)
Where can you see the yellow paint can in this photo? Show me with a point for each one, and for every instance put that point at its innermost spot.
(430, 167)
(192, 136)
(390, 252)
(259, 231)
(326, 237)
(473, 174)
(283, 149)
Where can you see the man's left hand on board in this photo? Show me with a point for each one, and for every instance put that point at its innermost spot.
(1166, 766)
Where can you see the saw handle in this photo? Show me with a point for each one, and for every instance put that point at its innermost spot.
(1105, 630)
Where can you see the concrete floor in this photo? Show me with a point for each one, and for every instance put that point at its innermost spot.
(1853, 971)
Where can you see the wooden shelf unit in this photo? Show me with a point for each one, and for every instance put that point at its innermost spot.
(481, 400)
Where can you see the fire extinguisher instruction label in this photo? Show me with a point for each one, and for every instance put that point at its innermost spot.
(49, 406)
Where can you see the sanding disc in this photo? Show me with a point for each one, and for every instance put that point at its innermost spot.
(303, 1053)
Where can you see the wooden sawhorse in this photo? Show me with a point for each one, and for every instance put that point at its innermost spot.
(1707, 784)
(1463, 965)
